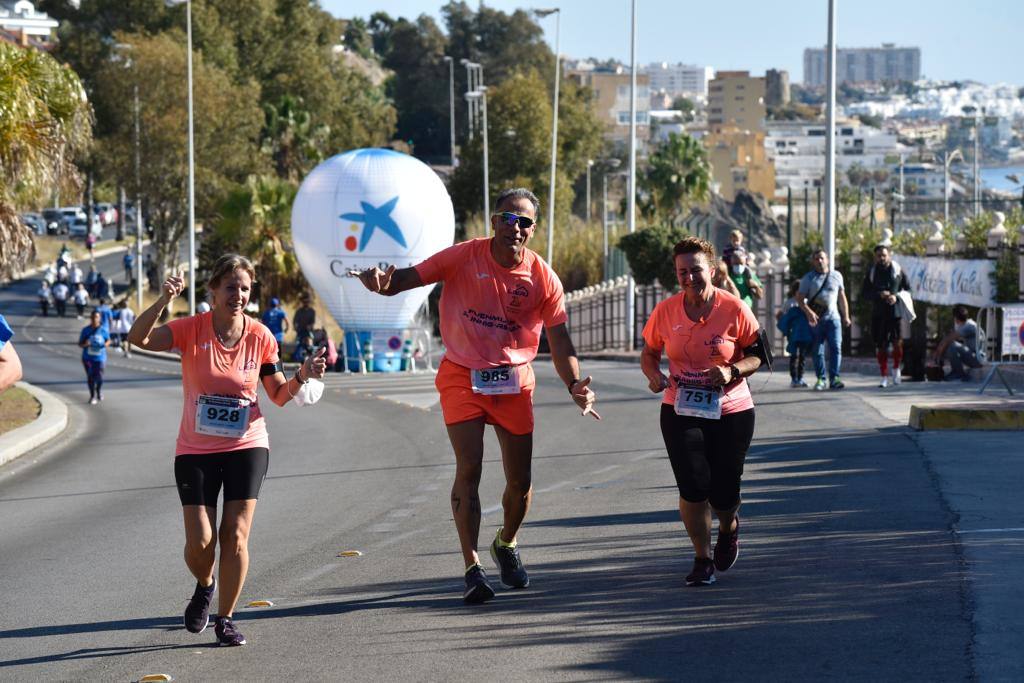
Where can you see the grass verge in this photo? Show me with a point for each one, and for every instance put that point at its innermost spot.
(17, 409)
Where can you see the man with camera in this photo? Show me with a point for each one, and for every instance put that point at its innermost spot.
(823, 300)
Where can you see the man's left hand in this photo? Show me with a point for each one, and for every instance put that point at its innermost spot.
(846, 321)
(584, 397)
(315, 365)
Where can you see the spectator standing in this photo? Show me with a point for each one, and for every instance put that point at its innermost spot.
(747, 284)
(276, 321)
(304, 320)
(963, 346)
(793, 324)
(60, 293)
(735, 242)
(90, 244)
(882, 286)
(129, 263)
(823, 300)
(10, 364)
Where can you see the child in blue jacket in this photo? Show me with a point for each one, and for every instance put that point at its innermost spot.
(793, 323)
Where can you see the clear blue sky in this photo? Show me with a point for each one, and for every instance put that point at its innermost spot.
(959, 39)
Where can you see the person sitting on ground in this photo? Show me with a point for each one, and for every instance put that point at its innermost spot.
(964, 345)
(10, 364)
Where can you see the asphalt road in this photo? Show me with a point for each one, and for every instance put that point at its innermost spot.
(848, 570)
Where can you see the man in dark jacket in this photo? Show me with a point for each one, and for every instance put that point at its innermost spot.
(882, 283)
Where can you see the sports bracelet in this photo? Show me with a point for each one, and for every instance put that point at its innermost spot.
(573, 383)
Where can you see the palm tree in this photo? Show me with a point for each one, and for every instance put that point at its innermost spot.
(678, 174)
(256, 220)
(45, 120)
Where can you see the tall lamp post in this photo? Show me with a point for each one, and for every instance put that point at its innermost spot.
(191, 172)
(554, 132)
(590, 164)
(451, 105)
(947, 159)
(481, 96)
(630, 283)
(138, 183)
(830, 139)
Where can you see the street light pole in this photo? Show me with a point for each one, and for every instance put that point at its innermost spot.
(830, 140)
(138, 208)
(977, 167)
(451, 105)
(947, 159)
(191, 174)
(604, 225)
(554, 133)
(481, 95)
(630, 283)
(590, 164)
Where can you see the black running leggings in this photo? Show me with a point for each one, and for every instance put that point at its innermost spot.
(707, 455)
(200, 477)
(93, 375)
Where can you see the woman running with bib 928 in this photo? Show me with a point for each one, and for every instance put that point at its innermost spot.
(222, 440)
(713, 342)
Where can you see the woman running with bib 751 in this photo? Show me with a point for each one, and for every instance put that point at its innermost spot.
(222, 441)
(713, 342)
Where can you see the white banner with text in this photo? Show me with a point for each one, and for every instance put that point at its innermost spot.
(949, 281)
(1013, 330)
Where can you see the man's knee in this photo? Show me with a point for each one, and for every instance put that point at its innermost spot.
(519, 485)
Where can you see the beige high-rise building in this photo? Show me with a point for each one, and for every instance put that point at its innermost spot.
(735, 98)
(739, 162)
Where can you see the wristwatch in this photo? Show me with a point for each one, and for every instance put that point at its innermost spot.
(734, 374)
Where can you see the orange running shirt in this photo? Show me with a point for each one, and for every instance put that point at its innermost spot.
(209, 368)
(693, 347)
(492, 315)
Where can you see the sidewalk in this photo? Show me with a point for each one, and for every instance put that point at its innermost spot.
(53, 418)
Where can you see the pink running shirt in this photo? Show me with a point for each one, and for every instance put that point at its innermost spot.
(209, 368)
(492, 315)
(693, 347)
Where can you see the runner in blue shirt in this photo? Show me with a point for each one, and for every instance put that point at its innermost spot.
(106, 313)
(276, 321)
(94, 339)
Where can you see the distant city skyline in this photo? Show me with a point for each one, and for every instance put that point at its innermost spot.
(958, 40)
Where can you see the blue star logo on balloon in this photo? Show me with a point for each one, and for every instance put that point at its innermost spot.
(364, 208)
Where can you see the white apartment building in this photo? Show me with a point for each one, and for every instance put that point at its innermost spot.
(923, 180)
(797, 148)
(678, 79)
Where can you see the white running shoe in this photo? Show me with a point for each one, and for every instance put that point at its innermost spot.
(884, 383)
(896, 378)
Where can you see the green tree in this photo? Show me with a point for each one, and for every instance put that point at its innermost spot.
(291, 140)
(44, 121)
(649, 253)
(677, 174)
(685, 105)
(255, 220)
(227, 125)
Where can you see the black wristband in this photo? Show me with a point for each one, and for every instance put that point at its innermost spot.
(573, 383)
(299, 379)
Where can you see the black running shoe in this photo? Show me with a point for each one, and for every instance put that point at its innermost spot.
(513, 574)
(227, 634)
(197, 614)
(703, 572)
(478, 590)
(727, 548)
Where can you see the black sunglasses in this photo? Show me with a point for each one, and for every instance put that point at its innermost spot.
(525, 222)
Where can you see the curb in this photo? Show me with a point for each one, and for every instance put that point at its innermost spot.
(52, 420)
(925, 417)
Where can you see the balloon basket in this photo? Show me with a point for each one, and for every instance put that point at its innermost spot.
(375, 351)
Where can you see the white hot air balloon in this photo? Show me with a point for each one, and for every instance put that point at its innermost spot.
(369, 207)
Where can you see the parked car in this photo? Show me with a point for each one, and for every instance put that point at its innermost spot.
(56, 222)
(34, 222)
(78, 227)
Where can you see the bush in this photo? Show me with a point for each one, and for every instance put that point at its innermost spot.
(649, 253)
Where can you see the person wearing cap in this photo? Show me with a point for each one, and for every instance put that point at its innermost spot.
(276, 321)
(747, 284)
(304, 320)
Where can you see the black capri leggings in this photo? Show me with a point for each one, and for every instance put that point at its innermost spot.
(707, 455)
(200, 476)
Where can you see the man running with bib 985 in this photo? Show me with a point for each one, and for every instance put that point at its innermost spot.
(497, 295)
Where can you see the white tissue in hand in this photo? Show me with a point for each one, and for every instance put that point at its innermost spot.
(309, 393)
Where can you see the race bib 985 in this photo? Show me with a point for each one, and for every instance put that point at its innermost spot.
(500, 380)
